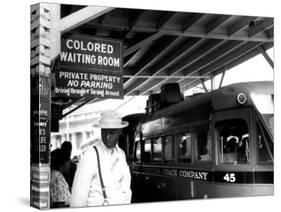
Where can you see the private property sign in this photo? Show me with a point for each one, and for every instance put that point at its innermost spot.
(90, 66)
(95, 84)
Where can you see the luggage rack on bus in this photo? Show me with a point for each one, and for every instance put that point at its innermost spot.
(170, 94)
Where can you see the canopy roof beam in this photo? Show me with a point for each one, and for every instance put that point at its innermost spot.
(167, 46)
(142, 43)
(192, 58)
(133, 21)
(160, 68)
(158, 52)
(81, 16)
(177, 30)
(259, 27)
(247, 47)
(229, 65)
(214, 24)
(164, 18)
(163, 77)
(240, 25)
(193, 19)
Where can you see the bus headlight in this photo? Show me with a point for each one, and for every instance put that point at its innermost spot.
(241, 98)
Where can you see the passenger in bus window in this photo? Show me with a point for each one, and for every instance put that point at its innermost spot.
(265, 147)
(205, 156)
(231, 133)
(168, 148)
(231, 144)
(203, 146)
(157, 149)
(243, 149)
(138, 152)
(185, 148)
(230, 150)
(263, 154)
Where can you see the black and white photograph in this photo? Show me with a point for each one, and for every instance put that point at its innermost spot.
(139, 105)
(149, 105)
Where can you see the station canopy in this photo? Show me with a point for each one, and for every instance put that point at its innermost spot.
(168, 46)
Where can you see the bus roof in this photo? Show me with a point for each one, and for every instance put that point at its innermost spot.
(214, 99)
(257, 87)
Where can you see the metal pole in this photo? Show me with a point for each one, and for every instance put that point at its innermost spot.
(165, 77)
(266, 56)
(204, 86)
(67, 128)
(222, 77)
(212, 83)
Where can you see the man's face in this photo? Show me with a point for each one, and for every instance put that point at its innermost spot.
(110, 137)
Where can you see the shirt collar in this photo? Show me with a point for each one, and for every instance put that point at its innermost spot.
(110, 151)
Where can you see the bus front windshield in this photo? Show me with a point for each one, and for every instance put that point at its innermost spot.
(265, 105)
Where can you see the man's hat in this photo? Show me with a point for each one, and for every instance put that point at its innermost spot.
(111, 119)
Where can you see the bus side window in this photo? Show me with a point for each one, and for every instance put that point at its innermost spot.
(169, 153)
(184, 154)
(265, 145)
(203, 140)
(147, 151)
(157, 149)
(233, 141)
(138, 151)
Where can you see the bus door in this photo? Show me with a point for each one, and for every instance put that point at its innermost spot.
(146, 172)
(141, 156)
(203, 156)
(263, 155)
(136, 170)
(167, 184)
(153, 174)
(233, 135)
(159, 174)
(194, 157)
(184, 161)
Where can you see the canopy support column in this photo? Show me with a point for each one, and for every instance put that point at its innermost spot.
(222, 78)
(212, 83)
(266, 56)
(204, 86)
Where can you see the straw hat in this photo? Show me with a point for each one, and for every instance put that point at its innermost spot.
(111, 119)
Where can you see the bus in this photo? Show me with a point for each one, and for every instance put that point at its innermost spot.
(216, 144)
